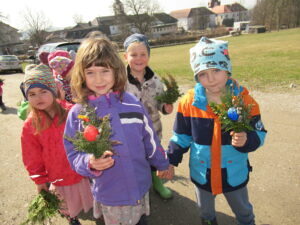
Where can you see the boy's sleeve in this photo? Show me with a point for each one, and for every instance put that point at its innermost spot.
(157, 156)
(79, 161)
(181, 139)
(255, 138)
(32, 154)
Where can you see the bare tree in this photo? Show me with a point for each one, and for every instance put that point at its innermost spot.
(2, 17)
(140, 13)
(277, 13)
(77, 18)
(37, 25)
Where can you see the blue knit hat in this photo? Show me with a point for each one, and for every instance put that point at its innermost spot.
(137, 38)
(210, 53)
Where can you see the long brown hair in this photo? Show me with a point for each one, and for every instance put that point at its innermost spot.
(41, 120)
(97, 52)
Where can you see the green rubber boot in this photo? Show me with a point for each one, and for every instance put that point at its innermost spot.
(159, 187)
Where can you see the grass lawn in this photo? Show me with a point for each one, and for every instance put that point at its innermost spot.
(267, 61)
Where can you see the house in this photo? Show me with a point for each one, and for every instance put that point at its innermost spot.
(235, 11)
(76, 33)
(198, 18)
(183, 19)
(163, 25)
(81, 30)
(107, 24)
(10, 42)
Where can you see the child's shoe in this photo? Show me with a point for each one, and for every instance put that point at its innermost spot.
(209, 222)
(3, 107)
(143, 220)
(159, 187)
(74, 221)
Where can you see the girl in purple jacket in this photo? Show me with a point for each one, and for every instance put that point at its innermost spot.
(121, 180)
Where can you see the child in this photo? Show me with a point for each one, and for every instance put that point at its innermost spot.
(23, 108)
(146, 85)
(43, 58)
(61, 64)
(42, 144)
(121, 180)
(218, 159)
(2, 106)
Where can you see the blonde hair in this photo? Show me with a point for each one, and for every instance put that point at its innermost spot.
(38, 115)
(97, 52)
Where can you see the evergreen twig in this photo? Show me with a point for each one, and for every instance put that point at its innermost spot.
(172, 93)
(234, 115)
(102, 140)
(42, 208)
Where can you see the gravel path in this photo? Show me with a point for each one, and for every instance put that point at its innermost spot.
(274, 186)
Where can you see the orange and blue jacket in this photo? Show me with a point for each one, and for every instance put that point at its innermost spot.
(215, 165)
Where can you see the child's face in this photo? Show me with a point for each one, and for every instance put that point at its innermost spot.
(40, 98)
(99, 80)
(137, 57)
(213, 80)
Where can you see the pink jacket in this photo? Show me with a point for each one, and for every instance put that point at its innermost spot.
(44, 156)
(1, 91)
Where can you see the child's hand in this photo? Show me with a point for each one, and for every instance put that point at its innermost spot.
(41, 187)
(166, 174)
(168, 108)
(238, 139)
(102, 163)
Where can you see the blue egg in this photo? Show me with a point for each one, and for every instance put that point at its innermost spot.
(232, 114)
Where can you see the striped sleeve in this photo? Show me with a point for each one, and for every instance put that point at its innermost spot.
(181, 139)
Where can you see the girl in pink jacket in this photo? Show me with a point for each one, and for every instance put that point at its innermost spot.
(43, 151)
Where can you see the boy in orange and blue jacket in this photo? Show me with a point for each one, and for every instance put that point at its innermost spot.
(218, 159)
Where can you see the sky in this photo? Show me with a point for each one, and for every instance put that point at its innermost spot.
(60, 13)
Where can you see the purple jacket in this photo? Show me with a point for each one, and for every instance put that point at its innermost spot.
(130, 178)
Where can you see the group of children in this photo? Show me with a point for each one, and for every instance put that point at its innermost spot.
(121, 179)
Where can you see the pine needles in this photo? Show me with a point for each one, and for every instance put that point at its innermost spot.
(172, 93)
(42, 208)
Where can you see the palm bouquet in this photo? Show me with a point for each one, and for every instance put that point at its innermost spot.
(42, 208)
(172, 93)
(95, 137)
(233, 113)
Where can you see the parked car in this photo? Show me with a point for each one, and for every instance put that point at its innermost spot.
(10, 63)
(50, 47)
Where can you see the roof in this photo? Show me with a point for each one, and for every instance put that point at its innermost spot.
(219, 9)
(201, 11)
(79, 26)
(107, 20)
(7, 26)
(165, 18)
(182, 13)
(185, 13)
(235, 7)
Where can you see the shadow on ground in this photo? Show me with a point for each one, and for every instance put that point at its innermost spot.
(10, 110)
(177, 211)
